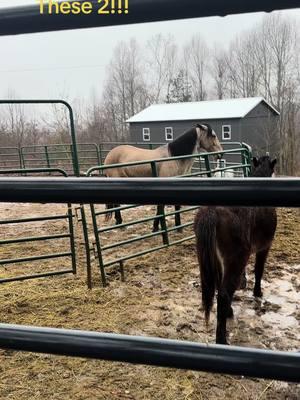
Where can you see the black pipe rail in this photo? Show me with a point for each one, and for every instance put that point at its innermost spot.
(153, 351)
(277, 192)
(27, 19)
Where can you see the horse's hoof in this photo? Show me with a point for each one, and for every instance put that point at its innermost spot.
(155, 230)
(257, 293)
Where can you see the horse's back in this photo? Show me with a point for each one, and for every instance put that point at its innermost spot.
(240, 228)
(124, 154)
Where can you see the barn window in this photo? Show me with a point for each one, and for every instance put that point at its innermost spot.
(226, 132)
(146, 134)
(169, 133)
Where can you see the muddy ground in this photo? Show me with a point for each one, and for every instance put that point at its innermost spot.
(160, 297)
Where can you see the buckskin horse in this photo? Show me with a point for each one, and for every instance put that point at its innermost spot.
(202, 136)
(225, 239)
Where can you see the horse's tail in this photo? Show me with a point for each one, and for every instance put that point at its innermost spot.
(209, 263)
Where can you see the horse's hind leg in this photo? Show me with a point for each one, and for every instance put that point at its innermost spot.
(159, 211)
(260, 261)
(231, 281)
(178, 219)
(118, 216)
(223, 311)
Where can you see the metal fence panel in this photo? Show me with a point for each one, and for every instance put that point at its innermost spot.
(107, 247)
(68, 234)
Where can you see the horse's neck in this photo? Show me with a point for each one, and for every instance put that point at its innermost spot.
(184, 144)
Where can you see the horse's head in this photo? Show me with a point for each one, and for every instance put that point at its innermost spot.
(207, 139)
(263, 166)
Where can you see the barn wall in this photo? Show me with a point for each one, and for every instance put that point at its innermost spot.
(157, 129)
(259, 129)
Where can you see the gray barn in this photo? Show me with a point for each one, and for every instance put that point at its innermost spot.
(251, 120)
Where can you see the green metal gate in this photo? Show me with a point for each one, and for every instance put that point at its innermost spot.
(67, 234)
(60, 156)
(10, 157)
(74, 153)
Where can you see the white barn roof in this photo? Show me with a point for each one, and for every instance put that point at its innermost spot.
(200, 110)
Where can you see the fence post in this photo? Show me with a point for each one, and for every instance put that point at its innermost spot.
(162, 219)
(99, 152)
(87, 247)
(246, 158)
(47, 157)
(207, 166)
(200, 166)
(98, 245)
(22, 158)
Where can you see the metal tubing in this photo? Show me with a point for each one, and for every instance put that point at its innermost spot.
(182, 240)
(134, 255)
(34, 276)
(27, 19)
(98, 245)
(87, 248)
(35, 239)
(132, 240)
(34, 258)
(32, 170)
(33, 219)
(6, 17)
(256, 363)
(72, 238)
(121, 208)
(278, 192)
(175, 228)
(181, 211)
(207, 167)
(125, 224)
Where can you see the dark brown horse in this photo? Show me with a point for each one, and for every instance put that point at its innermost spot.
(202, 136)
(226, 237)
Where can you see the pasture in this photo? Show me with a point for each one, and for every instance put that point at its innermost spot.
(160, 297)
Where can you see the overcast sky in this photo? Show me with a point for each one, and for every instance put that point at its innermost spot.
(73, 62)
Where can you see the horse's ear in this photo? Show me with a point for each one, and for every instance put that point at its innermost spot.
(255, 161)
(274, 162)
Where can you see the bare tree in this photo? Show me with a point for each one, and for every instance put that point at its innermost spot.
(124, 92)
(162, 64)
(15, 119)
(196, 59)
(219, 72)
(278, 49)
(242, 65)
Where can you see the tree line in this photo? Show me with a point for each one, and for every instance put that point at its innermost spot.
(263, 61)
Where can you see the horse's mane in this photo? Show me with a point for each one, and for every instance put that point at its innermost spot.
(184, 144)
(209, 128)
